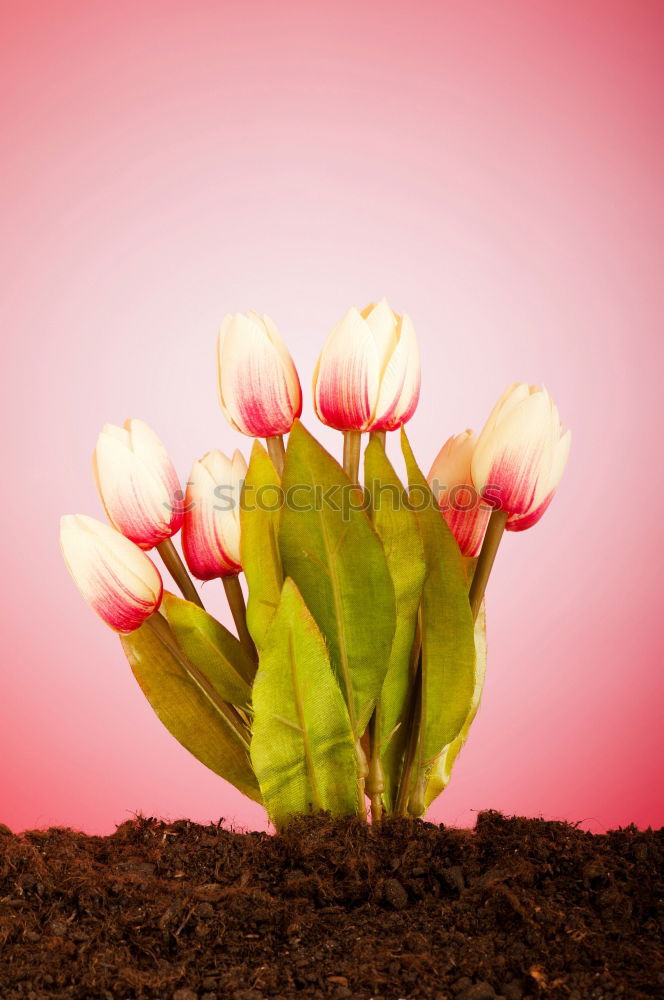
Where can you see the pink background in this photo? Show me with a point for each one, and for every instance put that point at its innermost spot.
(495, 169)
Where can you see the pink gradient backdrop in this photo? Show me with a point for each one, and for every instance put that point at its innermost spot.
(495, 169)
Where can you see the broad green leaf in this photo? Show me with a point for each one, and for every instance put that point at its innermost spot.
(188, 706)
(448, 647)
(261, 562)
(331, 551)
(442, 769)
(302, 746)
(212, 648)
(397, 528)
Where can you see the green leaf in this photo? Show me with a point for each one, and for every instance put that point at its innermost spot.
(333, 554)
(397, 528)
(187, 704)
(302, 746)
(212, 648)
(442, 770)
(448, 647)
(259, 522)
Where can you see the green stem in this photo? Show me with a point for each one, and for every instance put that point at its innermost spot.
(413, 726)
(162, 630)
(376, 778)
(176, 568)
(379, 436)
(277, 452)
(239, 611)
(352, 445)
(494, 533)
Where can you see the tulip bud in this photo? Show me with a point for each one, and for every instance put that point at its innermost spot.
(368, 374)
(211, 528)
(460, 504)
(521, 453)
(259, 389)
(114, 576)
(137, 483)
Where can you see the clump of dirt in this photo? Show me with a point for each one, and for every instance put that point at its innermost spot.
(516, 909)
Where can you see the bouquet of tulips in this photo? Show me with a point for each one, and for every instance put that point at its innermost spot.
(359, 659)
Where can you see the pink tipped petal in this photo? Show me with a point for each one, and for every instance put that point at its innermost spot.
(116, 578)
(255, 390)
(347, 376)
(391, 387)
(136, 501)
(211, 529)
(520, 522)
(290, 372)
(512, 455)
(468, 527)
(410, 392)
(460, 504)
(137, 483)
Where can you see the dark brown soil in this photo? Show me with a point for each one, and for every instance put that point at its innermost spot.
(516, 909)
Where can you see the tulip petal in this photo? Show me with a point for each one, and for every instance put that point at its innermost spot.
(410, 390)
(254, 389)
(290, 371)
(211, 532)
(347, 377)
(137, 501)
(468, 527)
(512, 455)
(116, 578)
(383, 324)
(451, 483)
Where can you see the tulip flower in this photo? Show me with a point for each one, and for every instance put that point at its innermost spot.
(368, 374)
(113, 574)
(460, 504)
(211, 527)
(211, 530)
(520, 457)
(137, 483)
(521, 452)
(259, 389)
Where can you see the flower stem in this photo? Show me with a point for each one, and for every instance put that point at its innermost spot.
(494, 533)
(176, 568)
(413, 729)
(277, 452)
(162, 630)
(375, 785)
(352, 444)
(379, 436)
(239, 611)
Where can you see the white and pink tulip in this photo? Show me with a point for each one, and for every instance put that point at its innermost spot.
(461, 505)
(117, 579)
(211, 528)
(259, 388)
(137, 483)
(368, 374)
(521, 454)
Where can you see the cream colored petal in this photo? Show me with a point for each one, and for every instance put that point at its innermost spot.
(383, 324)
(290, 371)
(516, 453)
(116, 578)
(254, 389)
(451, 467)
(137, 501)
(346, 385)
